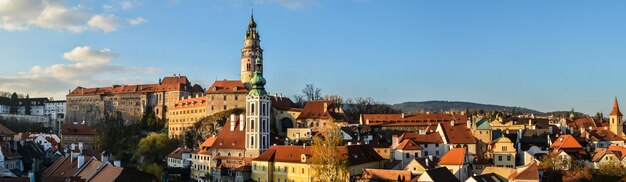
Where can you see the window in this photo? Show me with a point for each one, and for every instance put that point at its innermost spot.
(425, 153)
(407, 155)
(508, 158)
(436, 145)
(503, 148)
(437, 153)
(499, 158)
(224, 97)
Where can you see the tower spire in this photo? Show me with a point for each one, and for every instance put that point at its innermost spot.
(616, 111)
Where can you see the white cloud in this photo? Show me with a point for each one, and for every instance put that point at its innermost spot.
(125, 5)
(88, 67)
(106, 23)
(20, 15)
(136, 21)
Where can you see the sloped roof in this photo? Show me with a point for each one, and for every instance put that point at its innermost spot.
(77, 129)
(458, 134)
(289, 154)
(489, 177)
(361, 154)
(619, 150)
(427, 138)
(386, 174)
(4, 131)
(205, 147)
(408, 144)
(282, 103)
(227, 139)
(191, 102)
(227, 86)
(456, 156)
(178, 152)
(441, 174)
(172, 83)
(604, 135)
(530, 172)
(483, 124)
(566, 142)
(315, 110)
(598, 153)
(615, 110)
(411, 119)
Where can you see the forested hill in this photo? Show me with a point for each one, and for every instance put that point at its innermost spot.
(443, 106)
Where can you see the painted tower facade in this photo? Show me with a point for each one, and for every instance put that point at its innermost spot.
(258, 105)
(616, 123)
(249, 53)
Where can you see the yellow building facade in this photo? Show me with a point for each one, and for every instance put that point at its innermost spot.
(184, 115)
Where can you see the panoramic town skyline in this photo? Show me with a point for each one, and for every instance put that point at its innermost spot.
(514, 54)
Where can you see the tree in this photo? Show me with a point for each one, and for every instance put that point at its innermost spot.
(299, 100)
(311, 92)
(329, 160)
(155, 147)
(609, 171)
(358, 106)
(14, 103)
(150, 122)
(27, 105)
(211, 125)
(152, 168)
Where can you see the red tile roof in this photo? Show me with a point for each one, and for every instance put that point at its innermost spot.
(315, 110)
(178, 152)
(289, 154)
(227, 139)
(619, 150)
(205, 147)
(530, 173)
(456, 156)
(227, 86)
(565, 142)
(604, 135)
(386, 175)
(77, 129)
(616, 109)
(282, 103)
(427, 138)
(107, 173)
(191, 102)
(411, 119)
(408, 144)
(457, 134)
(4, 131)
(174, 83)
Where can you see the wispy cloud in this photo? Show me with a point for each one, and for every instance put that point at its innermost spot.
(20, 15)
(88, 67)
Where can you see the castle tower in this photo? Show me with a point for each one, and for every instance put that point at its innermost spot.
(250, 52)
(616, 123)
(258, 105)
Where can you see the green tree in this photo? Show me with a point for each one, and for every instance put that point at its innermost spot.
(150, 122)
(27, 105)
(152, 168)
(329, 160)
(14, 103)
(154, 147)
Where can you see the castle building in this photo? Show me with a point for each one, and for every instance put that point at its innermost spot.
(128, 101)
(616, 124)
(224, 95)
(184, 115)
(250, 52)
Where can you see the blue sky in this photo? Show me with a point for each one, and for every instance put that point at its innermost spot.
(542, 55)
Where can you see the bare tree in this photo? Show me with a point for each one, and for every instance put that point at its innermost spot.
(311, 92)
(336, 99)
(299, 100)
(358, 106)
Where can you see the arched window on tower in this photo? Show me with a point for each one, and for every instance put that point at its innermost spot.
(252, 124)
(248, 67)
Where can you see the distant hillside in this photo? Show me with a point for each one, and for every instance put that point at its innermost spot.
(443, 106)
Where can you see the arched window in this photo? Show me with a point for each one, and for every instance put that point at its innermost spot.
(252, 124)
(252, 108)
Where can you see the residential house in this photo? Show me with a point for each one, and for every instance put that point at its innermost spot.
(441, 174)
(503, 152)
(457, 162)
(179, 158)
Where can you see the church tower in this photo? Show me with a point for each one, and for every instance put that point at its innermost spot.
(258, 105)
(250, 52)
(616, 123)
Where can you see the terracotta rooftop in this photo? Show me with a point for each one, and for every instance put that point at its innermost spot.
(282, 103)
(457, 134)
(441, 174)
(618, 150)
(604, 135)
(530, 172)
(456, 156)
(173, 83)
(408, 144)
(191, 102)
(205, 147)
(426, 138)
(178, 153)
(77, 129)
(386, 175)
(565, 142)
(411, 119)
(598, 153)
(315, 110)
(361, 154)
(288, 154)
(227, 139)
(227, 86)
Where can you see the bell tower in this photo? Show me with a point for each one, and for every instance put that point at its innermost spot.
(258, 105)
(250, 52)
(616, 123)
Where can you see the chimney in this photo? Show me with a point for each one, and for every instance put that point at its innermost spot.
(430, 157)
(349, 143)
(232, 122)
(82, 91)
(303, 145)
(325, 106)
(452, 123)
(402, 116)
(242, 119)
(117, 163)
(104, 157)
(530, 123)
(80, 147)
(80, 160)
(426, 161)
(394, 141)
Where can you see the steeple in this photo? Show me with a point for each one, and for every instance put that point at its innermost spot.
(250, 52)
(616, 111)
(258, 82)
